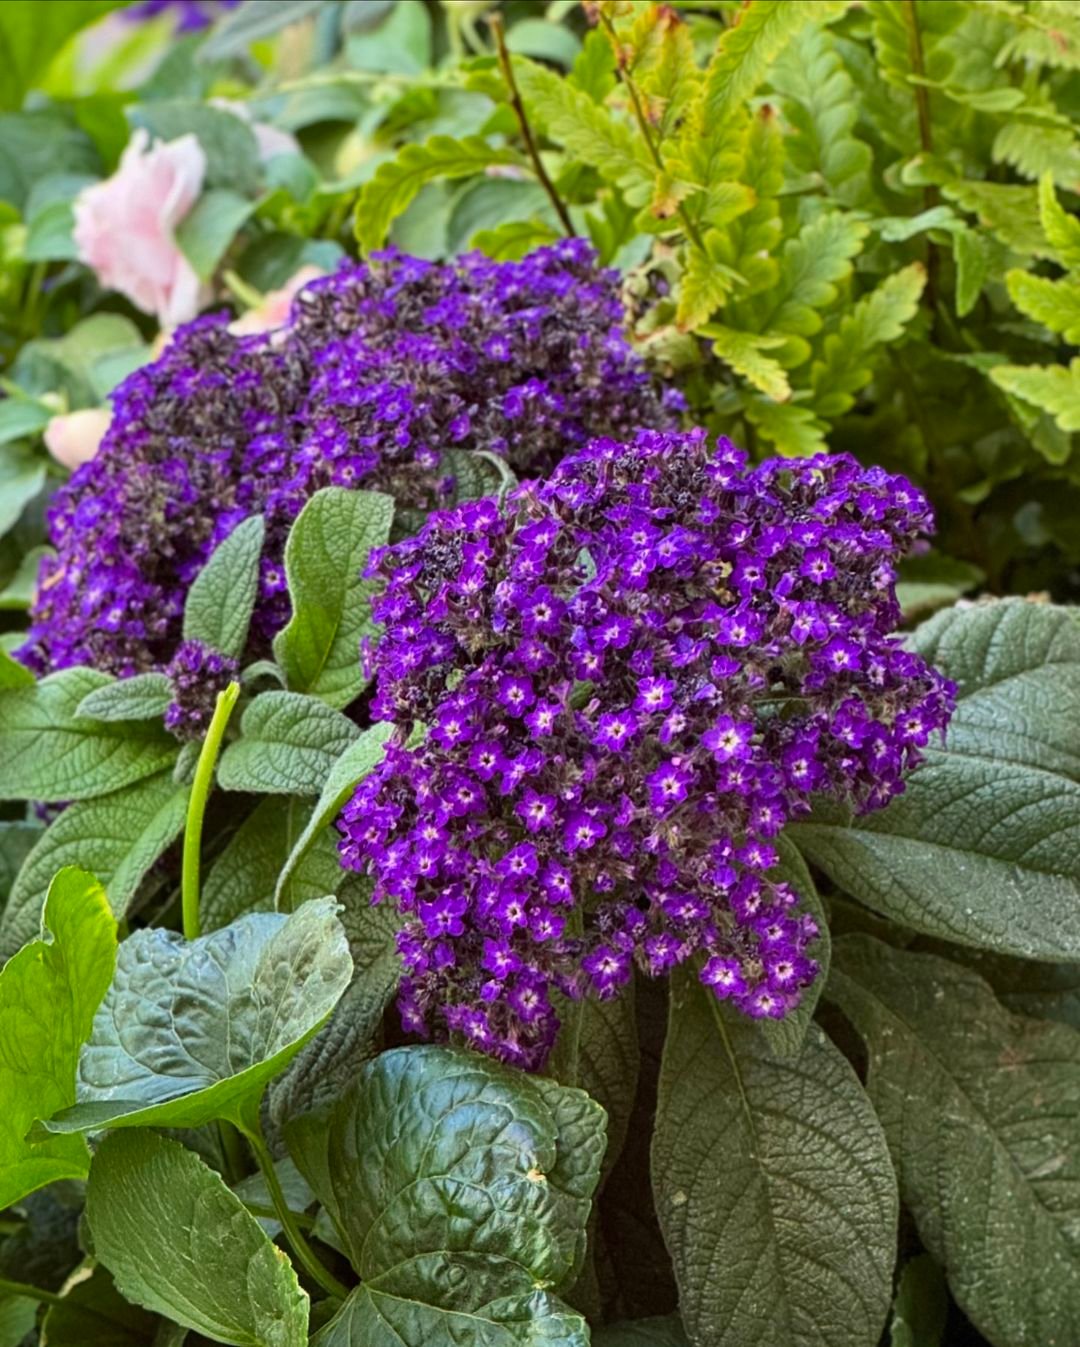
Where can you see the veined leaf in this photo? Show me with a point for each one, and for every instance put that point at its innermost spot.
(740, 1137)
(396, 183)
(1054, 388)
(49, 992)
(743, 352)
(813, 262)
(1055, 304)
(981, 1109)
(1010, 212)
(983, 847)
(793, 429)
(192, 1031)
(1061, 229)
(221, 599)
(877, 318)
(705, 283)
(288, 744)
(662, 63)
(143, 697)
(180, 1243)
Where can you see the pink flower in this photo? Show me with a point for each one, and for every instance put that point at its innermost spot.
(74, 439)
(273, 310)
(125, 226)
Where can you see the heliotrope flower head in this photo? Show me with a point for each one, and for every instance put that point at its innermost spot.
(380, 368)
(633, 675)
(198, 673)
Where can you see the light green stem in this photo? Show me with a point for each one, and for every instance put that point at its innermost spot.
(200, 790)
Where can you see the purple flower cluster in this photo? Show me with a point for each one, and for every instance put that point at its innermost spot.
(633, 675)
(198, 673)
(380, 368)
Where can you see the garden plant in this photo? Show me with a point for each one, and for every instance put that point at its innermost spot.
(539, 673)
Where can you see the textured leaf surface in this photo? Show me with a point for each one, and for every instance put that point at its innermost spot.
(984, 846)
(460, 1190)
(179, 1242)
(982, 1112)
(660, 1332)
(773, 1186)
(220, 602)
(48, 752)
(118, 838)
(288, 745)
(143, 697)
(48, 995)
(192, 1031)
(325, 557)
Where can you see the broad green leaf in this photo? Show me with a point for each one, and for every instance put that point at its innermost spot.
(18, 594)
(1054, 388)
(193, 1031)
(325, 558)
(22, 418)
(460, 1190)
(921, 1305)
(1055, 304)
(982, 1112)
(1062, 230)
(361, 757)
(477, 473)
(930, 581)
(607, 1063)
(49, 992)
(234, 33)
(18, 1315)
(976, 255)
(662, 1332)
(232, 152)
(983, 848)
(93, 1313)
(178, 1242)
(118, 838)
(773, 1186)
(143, 697)
(247, 874)
(17, 840)
(220, 602)
(48, 752)
(205, 233)
(31, 35)
(397, 182)
(22, 475)
(288, 745)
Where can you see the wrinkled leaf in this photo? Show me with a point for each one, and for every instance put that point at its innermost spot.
(288, 745)
(221, 599)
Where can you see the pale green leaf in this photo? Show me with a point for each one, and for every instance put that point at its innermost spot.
(1053, 388)
(1061, 229)
(744, 353)
(1055, 304)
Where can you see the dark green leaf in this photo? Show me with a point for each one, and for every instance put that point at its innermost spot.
(49, 992)
(144, 697)
(95, 1314)
(192, 1031)
(47, 752)
(983, 848)
(921, 1305)
(982, 1112)
(22, 475)
(325, 557)
(180, 1243)
(665, 1332)
(118, 838)
(775, 1170)
(221, 600)
(232, 152)
(18, 1316)
(460, 1190)
(288, 745)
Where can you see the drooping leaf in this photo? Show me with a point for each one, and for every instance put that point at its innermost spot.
(982, 1110)
(178, 1242)
(776, 1171)
(460, 1191)
(48, 752)
(205, 233)
(325, 558)
(49, 992)
(193, 1031)
(221, 599)
(118, 838)
(288, 745)
(983, 848)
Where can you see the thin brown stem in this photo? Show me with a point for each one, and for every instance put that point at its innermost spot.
(507, 68)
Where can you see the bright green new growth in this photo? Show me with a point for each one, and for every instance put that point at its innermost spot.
(49, 992)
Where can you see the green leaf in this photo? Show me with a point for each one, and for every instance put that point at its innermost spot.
(1054, 388)
(982, 1111)
(178, 1242)
(22, 417)
(244, 877)
(235, 31)
(1055, 304)
(49, 992)
(17, 840)
(785, 1037)
(325, 558)
(608, 1061)
(545, 40)
(706, 282)
(976, 255)
(776, 1171)
(510, 241)
(921, 1305)
(361, 757)
(288, 745)
(205, 233)
(794, 430)
(118, 837)
(221, 599)
(813, 262)
(48, 752)
(460, 1190)
(22, 475)
(742, 351)
(394, 185)
(192, 1031)
(18, 594)
(930, 581)
(93, 1313)
(232, 152)
(85, 363)
(13, 674)
(878, 318)
(983, 848)
(18, 1315)
(1061, 229)
(30, 36)
(661, 1332)
(143, 697)
(1010, 213)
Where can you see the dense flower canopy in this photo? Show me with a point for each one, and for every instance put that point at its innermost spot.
(380, 368)
(633, 675)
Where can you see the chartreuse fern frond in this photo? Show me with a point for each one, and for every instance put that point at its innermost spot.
(1061, 230)
(744, 353)
(1055, 304)
(1053, 388)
